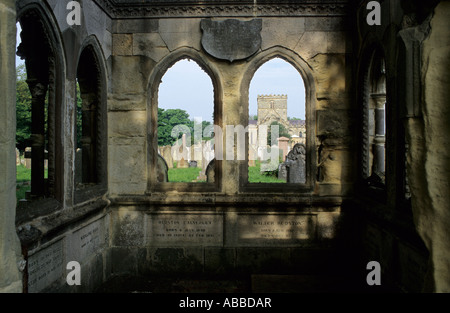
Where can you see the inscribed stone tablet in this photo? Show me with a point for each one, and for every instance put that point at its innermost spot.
(45, 267)
(86, 241)
(171, 230)
(275, 229)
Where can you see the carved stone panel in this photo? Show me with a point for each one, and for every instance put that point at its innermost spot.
(231, 39)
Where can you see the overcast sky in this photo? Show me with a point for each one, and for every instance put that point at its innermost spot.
(186, 86)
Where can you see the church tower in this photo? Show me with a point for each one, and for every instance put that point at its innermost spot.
(272, 108)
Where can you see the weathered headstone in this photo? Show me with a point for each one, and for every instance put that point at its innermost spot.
(252, 155)
(210, 171)
(28, 158)
(166, 153)
(182, 163)
(17, 157)
(296, 165)
(283, 146)
(188, 230)
(282, 171)
(162, 170)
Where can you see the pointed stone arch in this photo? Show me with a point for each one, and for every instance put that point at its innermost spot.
(91, 171)
(42, 50)
(305, 71)
(152, 112)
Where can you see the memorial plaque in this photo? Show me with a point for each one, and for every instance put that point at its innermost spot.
(171, 230)
(275, 229)
(86, 241)
(45, 267)
(231, 39)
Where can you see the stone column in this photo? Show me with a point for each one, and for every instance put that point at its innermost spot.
(380, 138)
(10, 255)
(38, 91)
(88, 139)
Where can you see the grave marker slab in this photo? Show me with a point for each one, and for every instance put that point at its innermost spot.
(273, 229)
(174, 229)
(45, 267)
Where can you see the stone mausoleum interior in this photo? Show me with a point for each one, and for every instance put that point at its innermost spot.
(364, 202)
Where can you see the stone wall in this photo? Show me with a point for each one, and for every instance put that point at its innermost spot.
(231, 226)
(428, 158)
(417, 119)
(72, 224)
(144, 49)
(10, 277)
(213, 241)
(85, 241)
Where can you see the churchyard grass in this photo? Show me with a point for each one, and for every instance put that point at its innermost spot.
(23, 178)
(256, 176)
(184, 175)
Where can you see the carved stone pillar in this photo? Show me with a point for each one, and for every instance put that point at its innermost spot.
(38, 92)
(88, 139)
(10, 252)
(380, 138)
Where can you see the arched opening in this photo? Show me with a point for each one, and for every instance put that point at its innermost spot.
(277, 124)
(88, 107)
(36, 108)
(185, 122)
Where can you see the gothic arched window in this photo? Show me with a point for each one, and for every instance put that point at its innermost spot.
(90, 139)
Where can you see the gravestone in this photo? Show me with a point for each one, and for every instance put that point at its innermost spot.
(183, 150)
(45, 267)
(283, 146)
(282, 171)
(162, 170)
(210, 172)
(197, 152)
(28, 158)
(296, 165)
(182, 163)
(188, 230)
(208, 155)
(252, 156)
(17, 157)
(166, 153)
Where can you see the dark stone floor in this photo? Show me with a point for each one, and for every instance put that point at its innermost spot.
(251, 284)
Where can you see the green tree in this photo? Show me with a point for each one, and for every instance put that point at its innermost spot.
(283, 132)
(198, 137)
(167, 120)
(23, 108)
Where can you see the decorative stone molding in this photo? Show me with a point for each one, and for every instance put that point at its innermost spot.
(233, 8)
